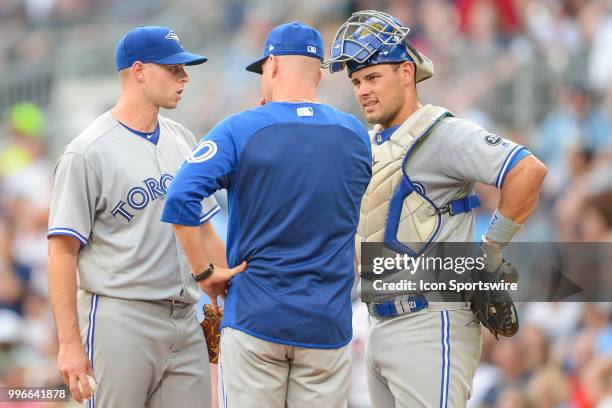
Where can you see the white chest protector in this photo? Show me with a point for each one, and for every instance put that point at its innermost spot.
(394, 210)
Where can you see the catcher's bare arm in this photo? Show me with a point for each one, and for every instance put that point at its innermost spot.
(519, 193)
(519, 196)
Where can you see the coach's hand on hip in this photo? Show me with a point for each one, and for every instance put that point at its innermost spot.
(217, 282)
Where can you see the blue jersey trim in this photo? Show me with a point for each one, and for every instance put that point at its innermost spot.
(210, 214)
(288, 342)
(520, 155)
(515, 155)
(69, 232)
(151, 137)
(385, 134)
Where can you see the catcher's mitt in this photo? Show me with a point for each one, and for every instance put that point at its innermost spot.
(494, 308)
(211, 326)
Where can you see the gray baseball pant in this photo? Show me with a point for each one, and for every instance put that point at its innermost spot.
(144, 353)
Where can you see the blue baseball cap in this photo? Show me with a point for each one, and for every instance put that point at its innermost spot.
(291, 39)
(159, 45)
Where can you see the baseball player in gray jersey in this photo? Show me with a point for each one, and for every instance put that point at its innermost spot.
(421, 352)
(127, 319)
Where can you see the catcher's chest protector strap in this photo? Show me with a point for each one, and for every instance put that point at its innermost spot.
(411, 220)
(394, 210)
(413, 217)
(409, 203)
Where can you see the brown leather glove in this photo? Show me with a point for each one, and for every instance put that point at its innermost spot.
(211, 326)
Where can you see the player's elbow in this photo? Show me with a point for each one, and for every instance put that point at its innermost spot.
(532, 169)
(536, 170)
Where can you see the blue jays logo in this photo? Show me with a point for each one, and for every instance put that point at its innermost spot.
(172, 36)
(205, 150)
(492, 140)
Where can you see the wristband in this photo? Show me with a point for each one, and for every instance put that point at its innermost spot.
(204, 275)
(501, 229)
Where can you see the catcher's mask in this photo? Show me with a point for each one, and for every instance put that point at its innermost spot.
(372, 37)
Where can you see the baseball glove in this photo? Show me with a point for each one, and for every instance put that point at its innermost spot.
(494, 308)
(211, 326)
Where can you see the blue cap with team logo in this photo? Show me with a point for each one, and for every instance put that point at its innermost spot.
(159, 45)
(291, 39)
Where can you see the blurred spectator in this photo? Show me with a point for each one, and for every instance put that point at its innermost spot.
(597, 216)
(574, 121)
(25, 184)
(597, 381)
(546, 316)
(512, 398)
(22, 146)
(600, 60)
(12, 283)
(548, 388)
(571, 204)
(505, 15)
(535, 346)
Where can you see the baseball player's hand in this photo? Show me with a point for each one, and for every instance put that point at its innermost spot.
(216, 284)
(495, 263)
(75, 366)
(492, 252)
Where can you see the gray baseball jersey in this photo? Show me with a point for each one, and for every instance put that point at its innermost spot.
(109, 192)
(457, 154)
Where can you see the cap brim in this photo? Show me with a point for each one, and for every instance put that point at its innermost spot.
(256, 66)
(183, 57)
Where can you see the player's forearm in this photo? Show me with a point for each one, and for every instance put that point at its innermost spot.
(61, 267)
(191, 240)
(521, 188)
(214, 385)
(213, 245)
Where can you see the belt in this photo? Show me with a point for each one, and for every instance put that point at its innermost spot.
(401, 305)
(406, 304)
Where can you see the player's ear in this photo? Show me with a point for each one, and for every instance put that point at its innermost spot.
(273, 65)
(320, 75)
(407, 69)
(138, 69)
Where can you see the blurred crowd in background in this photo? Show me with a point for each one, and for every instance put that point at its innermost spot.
(535, 71)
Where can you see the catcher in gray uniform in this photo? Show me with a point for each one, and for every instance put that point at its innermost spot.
(126, 318)
(420, 351)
